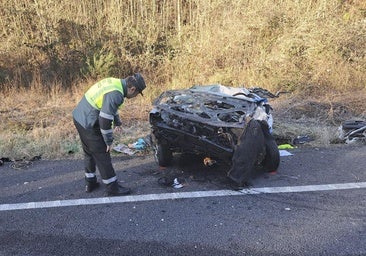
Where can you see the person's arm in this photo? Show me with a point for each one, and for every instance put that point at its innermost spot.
(117, 124)
(111, 102)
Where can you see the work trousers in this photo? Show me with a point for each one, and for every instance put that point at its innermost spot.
(95, 154)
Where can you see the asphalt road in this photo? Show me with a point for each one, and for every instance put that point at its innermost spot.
(313, 205)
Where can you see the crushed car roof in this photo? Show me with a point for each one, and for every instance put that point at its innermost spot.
(211, 104)
(227, 91)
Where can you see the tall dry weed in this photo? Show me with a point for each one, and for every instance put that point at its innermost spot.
(51, 52)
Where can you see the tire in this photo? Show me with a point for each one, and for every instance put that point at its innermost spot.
(163, 155)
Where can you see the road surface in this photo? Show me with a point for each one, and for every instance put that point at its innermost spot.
(313, 205)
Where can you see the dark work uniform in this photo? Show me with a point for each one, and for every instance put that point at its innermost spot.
(95, 128)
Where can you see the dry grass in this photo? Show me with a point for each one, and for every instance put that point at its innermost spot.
(50, 52)
(318, 117)
(41, 124)
(36, 123)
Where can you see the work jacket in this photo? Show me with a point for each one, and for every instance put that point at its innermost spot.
(98, 108)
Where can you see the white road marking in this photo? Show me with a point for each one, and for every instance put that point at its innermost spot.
(180, 195)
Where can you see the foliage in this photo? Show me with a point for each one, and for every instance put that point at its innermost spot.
(273, 44)
(51, 51)
(99, 65)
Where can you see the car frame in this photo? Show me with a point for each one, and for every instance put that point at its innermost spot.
(213, 120)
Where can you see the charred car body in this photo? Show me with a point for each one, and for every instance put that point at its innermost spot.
(226, 123)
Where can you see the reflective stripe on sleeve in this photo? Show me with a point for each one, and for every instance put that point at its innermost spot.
(106, 116)
(106, 131)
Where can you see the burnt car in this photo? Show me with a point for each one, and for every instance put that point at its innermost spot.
(230, 124)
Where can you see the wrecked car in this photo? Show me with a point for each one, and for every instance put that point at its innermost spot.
(231, 124)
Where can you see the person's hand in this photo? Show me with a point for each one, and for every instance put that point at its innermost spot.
(109, 147)
(118, 129)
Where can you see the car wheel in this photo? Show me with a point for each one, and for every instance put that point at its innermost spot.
(163, 154)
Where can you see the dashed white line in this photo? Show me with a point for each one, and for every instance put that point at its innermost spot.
(179, 195)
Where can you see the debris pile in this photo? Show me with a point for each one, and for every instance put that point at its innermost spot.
(353, 131)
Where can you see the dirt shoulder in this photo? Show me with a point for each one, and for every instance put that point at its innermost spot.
(316, 118)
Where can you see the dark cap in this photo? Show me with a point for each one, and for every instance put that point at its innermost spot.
(139, 82)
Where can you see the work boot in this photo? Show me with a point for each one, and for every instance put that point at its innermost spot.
(115, 189)
(91, 184)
